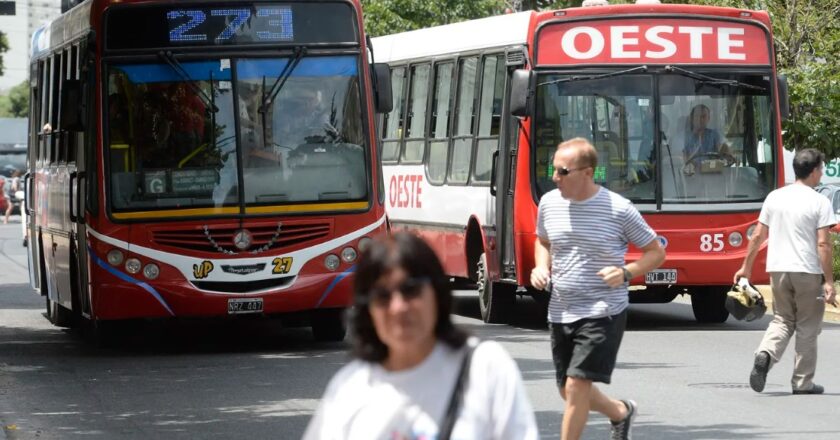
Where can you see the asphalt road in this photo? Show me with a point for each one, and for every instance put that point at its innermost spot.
(253, 378)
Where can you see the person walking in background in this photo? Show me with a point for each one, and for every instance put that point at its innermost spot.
(583, 231)
(14, 185)
(409, 357)
(796, 219)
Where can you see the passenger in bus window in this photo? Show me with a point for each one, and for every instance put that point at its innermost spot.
(702, 142)
(409, 356)
(795, 221)
(583, 230)
(187, 121)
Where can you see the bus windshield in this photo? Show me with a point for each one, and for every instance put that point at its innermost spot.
(715, 133)
(188, 134)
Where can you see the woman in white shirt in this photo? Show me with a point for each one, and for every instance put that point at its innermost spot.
(408, 356)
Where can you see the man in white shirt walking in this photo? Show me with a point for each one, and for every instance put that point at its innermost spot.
(797, 220)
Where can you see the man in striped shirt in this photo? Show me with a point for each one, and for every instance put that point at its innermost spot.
(583, 231)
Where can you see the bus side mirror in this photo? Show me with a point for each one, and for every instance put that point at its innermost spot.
(72, 106)
(382, 87)
(522, 87)
(784, 102)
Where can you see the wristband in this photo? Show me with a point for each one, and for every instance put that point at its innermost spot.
(627, 275)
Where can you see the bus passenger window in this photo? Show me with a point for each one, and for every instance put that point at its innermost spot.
(439, 127)
(489, 116)
(464, 115)
(395, 120)
(416, 118)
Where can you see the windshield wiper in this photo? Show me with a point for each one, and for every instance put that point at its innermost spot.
(710, 80)
(268, 98)
(179, 69)
(591, 77)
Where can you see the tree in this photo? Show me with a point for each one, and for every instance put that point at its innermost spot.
(384, 17)
(4, 46)
(16, 103)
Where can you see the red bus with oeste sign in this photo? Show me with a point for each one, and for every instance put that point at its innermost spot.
(682, 103)
(201, 159)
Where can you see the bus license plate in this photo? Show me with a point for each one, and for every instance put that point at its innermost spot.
(238, 306)
(661, 276)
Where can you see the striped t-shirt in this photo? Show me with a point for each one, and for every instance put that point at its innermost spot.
(586, 237)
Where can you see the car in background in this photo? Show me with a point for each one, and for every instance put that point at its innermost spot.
(832, 191)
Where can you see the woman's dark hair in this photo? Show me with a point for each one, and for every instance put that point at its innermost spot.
(412, 254)
(806, 161)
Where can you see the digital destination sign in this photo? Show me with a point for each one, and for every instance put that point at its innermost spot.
(191, 24)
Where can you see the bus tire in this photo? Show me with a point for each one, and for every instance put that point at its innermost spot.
(495, 300)
(58, 315)
(328, 325)
(708, 304)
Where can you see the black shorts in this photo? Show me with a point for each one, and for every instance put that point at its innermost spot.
(587, 348)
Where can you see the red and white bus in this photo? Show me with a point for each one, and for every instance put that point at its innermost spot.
(481, 106)
(203, 158)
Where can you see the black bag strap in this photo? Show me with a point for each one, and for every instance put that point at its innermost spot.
(457, 394)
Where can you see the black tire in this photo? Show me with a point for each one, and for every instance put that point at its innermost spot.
(496, 300)
(58, 315)
(708, 304)
(328, 325)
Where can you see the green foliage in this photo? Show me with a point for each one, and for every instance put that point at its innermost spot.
(384, 17)
(16, 103)
(4, 46)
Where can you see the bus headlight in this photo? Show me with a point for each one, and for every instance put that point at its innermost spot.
(348, 254)
(115, 257)
(332, 262)
(736, 239)
(151, 271)
(364, 242)
(750, 231)
(133, 265)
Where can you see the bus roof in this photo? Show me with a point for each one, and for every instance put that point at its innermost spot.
(497, 31)
(66, 27)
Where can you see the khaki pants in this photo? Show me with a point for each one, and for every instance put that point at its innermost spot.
(796, 308)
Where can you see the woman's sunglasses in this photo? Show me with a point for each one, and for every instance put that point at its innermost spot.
(563, 171)
(410, 289)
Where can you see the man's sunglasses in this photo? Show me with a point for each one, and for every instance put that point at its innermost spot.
(563, 171)
(410, 289)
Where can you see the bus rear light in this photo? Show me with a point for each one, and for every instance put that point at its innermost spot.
(151, 271)
(331, 262)
(349, 255)
(115, 257)
(736, 239)
(133, 265)
(364, 242)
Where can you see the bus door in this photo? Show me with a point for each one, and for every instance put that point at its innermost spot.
(33, 251)
(504, 165)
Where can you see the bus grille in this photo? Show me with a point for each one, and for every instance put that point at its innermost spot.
(243, 286)
(265, 236)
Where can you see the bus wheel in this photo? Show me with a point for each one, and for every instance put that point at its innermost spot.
(708, 304)
(58, 315)
(496, 300)
(328, 325)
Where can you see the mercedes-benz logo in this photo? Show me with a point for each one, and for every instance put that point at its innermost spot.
(242, 239)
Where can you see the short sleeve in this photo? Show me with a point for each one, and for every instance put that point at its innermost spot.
(764, 215)
(541, 231)
(636, 228)
(826, 213)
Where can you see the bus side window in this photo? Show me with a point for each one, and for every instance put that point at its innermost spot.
(462, 142)
(415, 135)
(439, 125)
(395, 120)
(489, 116)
